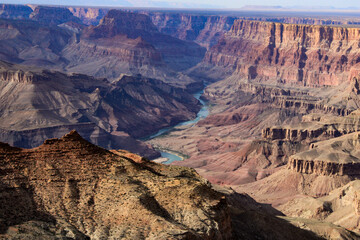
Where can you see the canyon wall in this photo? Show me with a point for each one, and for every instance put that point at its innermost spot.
(288, 53)
(337, 156)
(15, 11)
(203, 29)
(89, 16)
(37, 104)
(329, 20)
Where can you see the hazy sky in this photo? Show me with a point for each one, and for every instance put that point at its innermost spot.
(195, 3)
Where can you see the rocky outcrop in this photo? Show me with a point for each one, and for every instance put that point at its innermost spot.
(70, 188)
(34, 137)
(118, 22)
(288, 53)
(337, 156)
(103, 194)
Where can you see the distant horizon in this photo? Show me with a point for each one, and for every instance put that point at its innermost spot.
(280, 5)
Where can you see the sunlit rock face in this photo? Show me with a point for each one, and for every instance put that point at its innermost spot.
(299, 54)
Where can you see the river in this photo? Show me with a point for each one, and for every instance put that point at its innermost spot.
(203, 113)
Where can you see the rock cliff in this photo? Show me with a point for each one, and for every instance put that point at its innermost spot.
(15, 11)
(130, 43)
(89, 16)
(21, 43)
(203, 29)
(337, 156)
(288, 53)
(53, 15)
(123, 43)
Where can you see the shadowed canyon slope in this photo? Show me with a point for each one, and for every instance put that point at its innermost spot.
(38, 104)
(202, 29)
(70, 188)
(123, 43)
(130, 43)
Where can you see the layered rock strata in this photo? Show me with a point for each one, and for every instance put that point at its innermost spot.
(131, 42)
(202, 29)
(337, 156)
(36, 104)
(299, 54)
(123, 43)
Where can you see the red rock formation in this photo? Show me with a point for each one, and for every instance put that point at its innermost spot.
(288, 53)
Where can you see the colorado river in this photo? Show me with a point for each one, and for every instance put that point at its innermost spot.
(203, 113)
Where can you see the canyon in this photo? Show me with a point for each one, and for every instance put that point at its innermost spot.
(288, 53)
(37, 104)
(276, 157)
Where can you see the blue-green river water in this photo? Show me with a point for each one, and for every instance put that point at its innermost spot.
(203, 113)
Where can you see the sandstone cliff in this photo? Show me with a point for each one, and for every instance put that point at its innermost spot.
(337, 156)
(288, 53)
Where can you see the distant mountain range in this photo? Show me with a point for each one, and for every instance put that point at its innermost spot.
(179, 4)
(298, 8)
(119, 3)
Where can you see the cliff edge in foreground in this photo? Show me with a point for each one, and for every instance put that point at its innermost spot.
(71, 188)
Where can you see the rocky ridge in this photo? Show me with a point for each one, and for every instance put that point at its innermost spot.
(47, 104)
(86, 181)
(70, 188)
